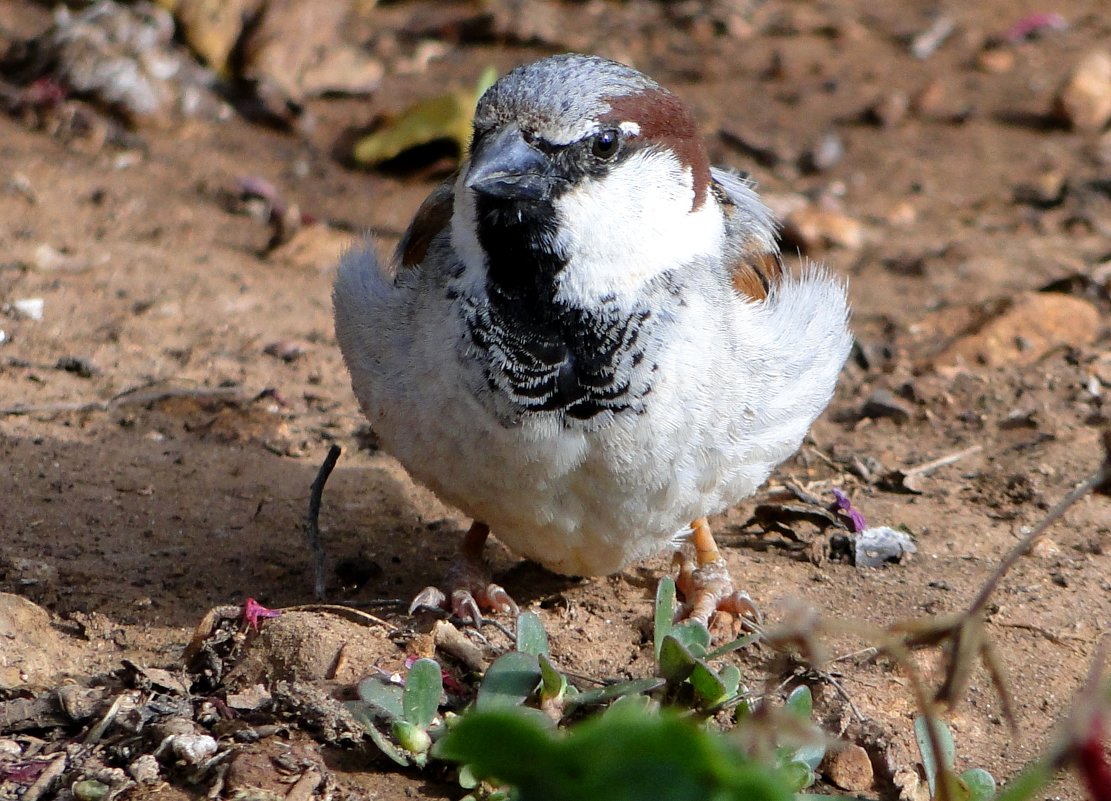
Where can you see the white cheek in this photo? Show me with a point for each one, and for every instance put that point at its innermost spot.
(464, 234)
(637, 222)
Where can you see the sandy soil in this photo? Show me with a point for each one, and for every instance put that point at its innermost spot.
(164, 463)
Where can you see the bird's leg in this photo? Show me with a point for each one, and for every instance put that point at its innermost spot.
(705, 582)
(468, 581)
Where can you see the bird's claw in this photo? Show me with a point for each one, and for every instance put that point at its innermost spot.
(467, 603)
(428, 598)
(708, 590)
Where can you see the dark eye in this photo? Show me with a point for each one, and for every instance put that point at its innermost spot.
(606, 144)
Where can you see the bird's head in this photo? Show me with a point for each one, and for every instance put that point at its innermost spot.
(585, 173)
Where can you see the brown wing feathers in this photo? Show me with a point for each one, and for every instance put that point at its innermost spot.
(755, 273)
(433, 216)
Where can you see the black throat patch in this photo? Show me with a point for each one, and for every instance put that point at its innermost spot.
(542, 354)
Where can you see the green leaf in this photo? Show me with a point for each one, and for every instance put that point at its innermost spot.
(1030, 783)
(735, 645)
(811, 755)
(623, 755)
(411, 737)
(709, 688)
(364, 716)
(531, 637)
(382, 696)
(467, 779)
(446, 116)
(553, 684)
(801, 703)
(980, 784)
(676, 662)
(421, 699)
(642, 703)
(694, 636)
(612, 692)
(798, 775)
(730, 676)
(485, 738)
(665, 612)
(509, 681)
(948, 751)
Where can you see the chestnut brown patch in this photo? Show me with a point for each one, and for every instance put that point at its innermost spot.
(755, 272)
(433, 216)
(663, 118)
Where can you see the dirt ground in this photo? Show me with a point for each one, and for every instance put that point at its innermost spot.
(162, 422)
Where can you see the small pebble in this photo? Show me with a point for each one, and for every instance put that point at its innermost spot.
(1045, 548)
(889, 110)
(884, 403)
(29, 308)
(192, 749)
(77, 365)
(1084, 99)
(880, 545)
(995, 60)
(90, 790)
(850, 769)
(287, 350)
(144, 769)
(813, 229)
(825, 155)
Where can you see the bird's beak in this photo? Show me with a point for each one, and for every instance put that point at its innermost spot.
(509, 168)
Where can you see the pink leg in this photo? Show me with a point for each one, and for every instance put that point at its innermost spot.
(468, 581)
(705, 582)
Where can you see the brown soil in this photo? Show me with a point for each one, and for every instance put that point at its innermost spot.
(130, 518)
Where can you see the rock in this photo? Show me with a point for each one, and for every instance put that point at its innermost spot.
(124, 57)
(313, 646)
(144, 769)
(884, 403)
(288, 350)
(889, 110)
(766, 149)
(881, 545)
(32, 651)
(850, 769)
(995, 60)
(212, 27)
(825, 155)
(1084, 99)
(813, 229)
(296, 50)
(1025, 331)
(28, 308)
(928, 100)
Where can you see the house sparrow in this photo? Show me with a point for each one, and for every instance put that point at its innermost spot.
(586, 340)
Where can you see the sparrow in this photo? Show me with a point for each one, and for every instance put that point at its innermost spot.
(586, 340)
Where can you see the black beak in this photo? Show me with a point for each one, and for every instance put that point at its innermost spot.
(509, 168)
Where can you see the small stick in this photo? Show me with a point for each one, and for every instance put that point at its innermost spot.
(928, 467)
(312, 522)
(355, 615)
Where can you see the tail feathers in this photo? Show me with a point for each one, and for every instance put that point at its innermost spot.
(810, 338)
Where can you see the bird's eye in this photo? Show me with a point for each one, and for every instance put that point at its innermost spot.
(606, 144)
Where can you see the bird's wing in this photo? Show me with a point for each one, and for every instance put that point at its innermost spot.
(433, 216)
(750, 232)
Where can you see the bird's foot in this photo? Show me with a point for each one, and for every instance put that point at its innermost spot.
(470, 590)
(466, 602)
(703, 579)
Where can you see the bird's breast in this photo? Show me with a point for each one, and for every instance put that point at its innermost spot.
(541, 356)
